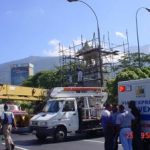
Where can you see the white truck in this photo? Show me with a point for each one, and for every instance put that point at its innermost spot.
(71, 110)
(139, 91)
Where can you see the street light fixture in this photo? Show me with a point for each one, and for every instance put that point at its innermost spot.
(99, 41)
(137, 32)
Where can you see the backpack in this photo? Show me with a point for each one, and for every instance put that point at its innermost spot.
(5, 121)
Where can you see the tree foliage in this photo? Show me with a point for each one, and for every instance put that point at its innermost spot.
(132, 60)
(53, 78)
(45, 79)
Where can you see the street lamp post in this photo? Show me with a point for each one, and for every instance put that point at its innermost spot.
(137, 32)
(99, 41)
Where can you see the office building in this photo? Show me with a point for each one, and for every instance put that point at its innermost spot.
(20, 72)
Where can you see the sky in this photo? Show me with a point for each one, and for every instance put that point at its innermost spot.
(36, 27)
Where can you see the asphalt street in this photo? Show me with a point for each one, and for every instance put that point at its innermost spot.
(27, 141)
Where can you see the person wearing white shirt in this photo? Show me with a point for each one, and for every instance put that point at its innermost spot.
(123, 121)
(106, 123)
(8, 121)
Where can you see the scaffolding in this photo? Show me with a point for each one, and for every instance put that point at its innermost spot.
(82, 63)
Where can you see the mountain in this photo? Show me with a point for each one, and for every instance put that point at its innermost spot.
(40, 64)
(143, 49)
(46, 63)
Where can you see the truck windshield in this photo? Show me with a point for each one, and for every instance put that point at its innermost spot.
(52, 106)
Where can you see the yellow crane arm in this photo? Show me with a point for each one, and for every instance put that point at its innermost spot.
(22, 93)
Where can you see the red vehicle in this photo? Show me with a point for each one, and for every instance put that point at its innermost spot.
(21, 93)
(21, 117)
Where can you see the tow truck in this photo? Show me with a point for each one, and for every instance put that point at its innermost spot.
(63, 114)
(11, 93)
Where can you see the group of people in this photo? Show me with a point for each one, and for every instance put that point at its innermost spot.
(7, 121)
(118, 124)
(121, 125)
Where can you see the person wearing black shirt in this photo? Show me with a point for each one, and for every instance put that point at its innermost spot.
(135, 126)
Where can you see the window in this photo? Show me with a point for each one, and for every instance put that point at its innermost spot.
(52, 107)
(139, 91)
(69, 106)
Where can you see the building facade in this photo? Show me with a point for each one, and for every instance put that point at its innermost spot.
(20, 72)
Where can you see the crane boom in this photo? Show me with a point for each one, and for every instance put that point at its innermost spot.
(12, 92)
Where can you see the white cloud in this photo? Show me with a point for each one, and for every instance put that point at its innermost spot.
(53, 42)
(121, 35)
(78, 41)
(54, 48)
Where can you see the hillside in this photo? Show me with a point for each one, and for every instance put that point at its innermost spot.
(40, 64)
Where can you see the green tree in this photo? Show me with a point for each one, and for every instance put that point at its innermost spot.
(49, 79)
(133, 60)
(33, 81)
(146, 71)
(46, 79)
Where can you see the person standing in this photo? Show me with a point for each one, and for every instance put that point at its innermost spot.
(123, 122)
(115, 133)
(80, 113)
(136, 126)
(8, 121)
(106, 123)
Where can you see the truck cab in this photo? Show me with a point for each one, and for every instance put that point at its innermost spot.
(69, 112)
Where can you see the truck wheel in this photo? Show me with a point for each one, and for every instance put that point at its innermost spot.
(40, 137)
(60, 134)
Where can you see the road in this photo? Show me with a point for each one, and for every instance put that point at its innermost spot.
(27, 141)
